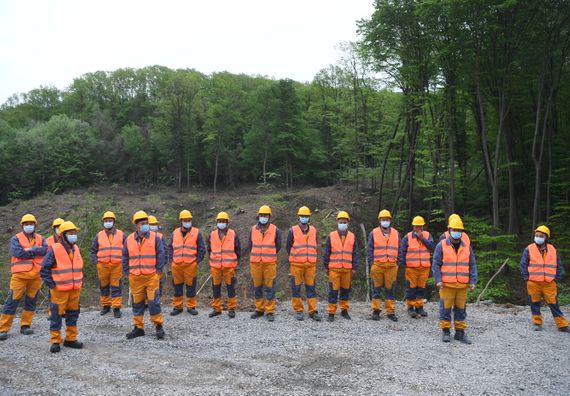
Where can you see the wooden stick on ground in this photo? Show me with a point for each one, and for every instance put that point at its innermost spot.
(367, 264)
(204, 284)
(490, 280)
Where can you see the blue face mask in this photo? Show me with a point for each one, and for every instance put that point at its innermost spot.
(108, 224)
(304, 220)
(342, 226)
(456, 234)
(187, 224)
(72, 238)
(385, 223)
(222, 226)
(539, 240)
(145, 228)
(154, 228)
(28, 229)
(264, 220)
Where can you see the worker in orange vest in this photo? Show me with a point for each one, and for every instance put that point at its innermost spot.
(341, 259)
(143, 260)
(542, 269)
(382, 254)
(302, 249)
(56, 237)
(62, 272)
(225, 251)
(154, 226)
(455, 271)
(415, 256)
(106, 253)
(28, 249)
(264, 244)
(186, 250)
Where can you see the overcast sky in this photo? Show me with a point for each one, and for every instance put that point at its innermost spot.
(50, 42)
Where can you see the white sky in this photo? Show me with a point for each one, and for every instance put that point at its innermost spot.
(50, 42)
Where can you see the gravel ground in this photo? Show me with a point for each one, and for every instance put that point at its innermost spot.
(244, 356)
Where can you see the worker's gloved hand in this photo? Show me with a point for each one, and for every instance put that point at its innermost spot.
(414, 234)
(353, 272)
(440, 285)
(472, 286)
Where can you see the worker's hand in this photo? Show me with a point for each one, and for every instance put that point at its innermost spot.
(472, 286)
(353, 272)
(414, 234)
(440, 285)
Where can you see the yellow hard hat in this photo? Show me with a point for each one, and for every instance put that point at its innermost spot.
(418, 221)
(57, 222)
(223, 216)
(544, 229)
(185, 214)
(304, 211)
(68, 226)
(342, 215)
(456, 224)
(452, 217)
(109, 215)
(28, 218)
(152, 220)
(264, 210)
(384, 213)
(140, 215)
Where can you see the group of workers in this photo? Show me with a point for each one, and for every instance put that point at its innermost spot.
(144, 254)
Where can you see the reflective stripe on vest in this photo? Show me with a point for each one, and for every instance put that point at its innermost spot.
(142, 258)
(27, 264)
(67, 274)
(454, 265)
(222, 252)
(304, 248)
(386, 250)
(542, 269)
(418, 254)
(185, 248)
(263, 249)
(341, 253)
(110, 252)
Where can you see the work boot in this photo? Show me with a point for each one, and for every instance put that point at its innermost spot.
(232, 314)
(175, 311)
(270, 317)
(315, 316)
(392, 317)
(3, 336)
(192, 311)
(256, 314)
(214, 313)
(300, 316)
(159, 332)
(461, 337)
(421, 311)
(344, 314)
(564, 329)
(376, 314)
(135, 332)
(412, 312)
(537, 327)
(446, 335)
(106, 309)
(330, 318)
(25, 330)
(73, 344)
(54, 348)
(117, 313)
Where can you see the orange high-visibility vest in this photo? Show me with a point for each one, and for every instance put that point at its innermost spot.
(386, 251)
(142, 258)
(110, 252)
(185, 248)
(541, 269)
(464, 237)
(50, 241)
(67, 274)
(263, 249)
(341, 253)
(222, 252)
(418, 254)
(455, 265)
(27, 264)
(304, 248)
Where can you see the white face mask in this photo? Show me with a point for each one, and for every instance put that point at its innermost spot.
(108, 224)
(154, 228)
(539, 240)
(456, 235)
(187, 224)
(263, 220)
(385, 223)
(222, 226)
(28, 229)
(342, 226)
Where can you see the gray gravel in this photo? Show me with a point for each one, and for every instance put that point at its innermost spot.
(245, 356)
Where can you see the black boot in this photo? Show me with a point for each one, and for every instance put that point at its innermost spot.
(159, 332)
(175, 311)
(106, 309)
(214, 313)
(25, 330)
(412, 312)
(392, 317)
(564, 329)
(55, 348)
(461, 337)
(270, 317)
(73, 344)
(192, 311)
(232, 314)
(344, 314)
(135, 332)
(117, 313)
(446, 335)
(256, 314)
(376, 314)
(330, 318)
(421, 311)
(315, 316)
